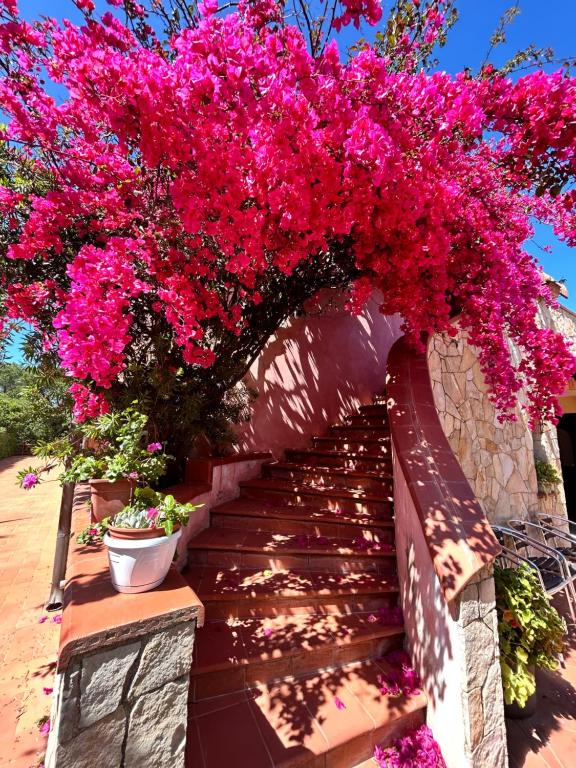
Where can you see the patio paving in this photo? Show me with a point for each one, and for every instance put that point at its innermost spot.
(28, 522)
(548, 738)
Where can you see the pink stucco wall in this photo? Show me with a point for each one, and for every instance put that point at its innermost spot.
(315, 370)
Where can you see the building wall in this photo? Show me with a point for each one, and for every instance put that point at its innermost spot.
(314, 371)
(497, 459)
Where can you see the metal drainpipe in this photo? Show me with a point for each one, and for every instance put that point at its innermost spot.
(55, 599)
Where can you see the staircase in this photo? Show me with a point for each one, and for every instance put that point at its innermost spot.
(298, 579)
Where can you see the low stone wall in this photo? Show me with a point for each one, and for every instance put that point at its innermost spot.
(124, 706)
(122, 677)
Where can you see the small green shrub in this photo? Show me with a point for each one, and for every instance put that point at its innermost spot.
(8, 444)
(546, 474)
(531, 631)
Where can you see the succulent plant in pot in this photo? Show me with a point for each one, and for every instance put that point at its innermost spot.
(142, 539)
(531, 634)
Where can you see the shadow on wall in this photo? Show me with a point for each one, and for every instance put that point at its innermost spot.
(315, 370)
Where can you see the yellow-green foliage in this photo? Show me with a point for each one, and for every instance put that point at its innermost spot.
(531, 631)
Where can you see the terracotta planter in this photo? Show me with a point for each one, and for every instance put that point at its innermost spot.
(109, 498)
(516, 712)
(138, 533)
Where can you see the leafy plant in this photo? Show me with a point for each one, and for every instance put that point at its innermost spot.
(531, 631)
(92, 534)
(546, 475)
(114, 448)
(34, 405)
(151, 509)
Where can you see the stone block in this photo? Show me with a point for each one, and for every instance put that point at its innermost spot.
(492, 752)
(103, 681)
(166, 656)
(98, 745)
(479, 653)
(157, 728)
(69, 704)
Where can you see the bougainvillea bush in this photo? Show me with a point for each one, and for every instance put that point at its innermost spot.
(168, 201)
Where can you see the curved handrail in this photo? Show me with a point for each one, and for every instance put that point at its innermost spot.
(457, 533)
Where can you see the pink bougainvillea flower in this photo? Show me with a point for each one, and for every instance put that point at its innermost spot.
(30, 480)
(339, 703)
(42, 619)
(416, 748)
(442, 169)
(44, 728)
(47, 691)
(268, 632)
(153, 447)
(57, 619)
(152, 513)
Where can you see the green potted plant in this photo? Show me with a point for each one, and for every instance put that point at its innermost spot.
(111, 453)
(547, 476)
(531, 634)
(142, 539)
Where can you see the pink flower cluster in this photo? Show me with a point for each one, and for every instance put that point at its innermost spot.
(402, 678)
(30, 480)
(417, 748)
(188, 178)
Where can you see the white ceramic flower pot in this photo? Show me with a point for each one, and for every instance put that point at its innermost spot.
(137, 565)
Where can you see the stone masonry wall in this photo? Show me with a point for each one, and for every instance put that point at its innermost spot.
(126, 706)
(497, 459)
(482, 696)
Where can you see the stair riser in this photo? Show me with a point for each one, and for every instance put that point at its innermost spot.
(383, 467)
(298, 605)
(360, 433)
(367, 421)
(378, 409)
(313, 562)
(290, 527)
(380, 450)
(383, 487)
(320, 501)
(229, 680)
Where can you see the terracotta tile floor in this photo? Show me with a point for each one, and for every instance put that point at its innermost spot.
(28, 522)
(548, 738)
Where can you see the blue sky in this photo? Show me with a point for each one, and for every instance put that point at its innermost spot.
(542, 22)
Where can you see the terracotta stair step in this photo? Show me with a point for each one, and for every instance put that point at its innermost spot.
(267, 516)
(361, 462)
(266, 592)
(240, 548)
(367, 447)
(374, 409)
(365, 420)
(331, 476)
(332, 719)
(324, 497)
(229, 655)
(358, 432)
